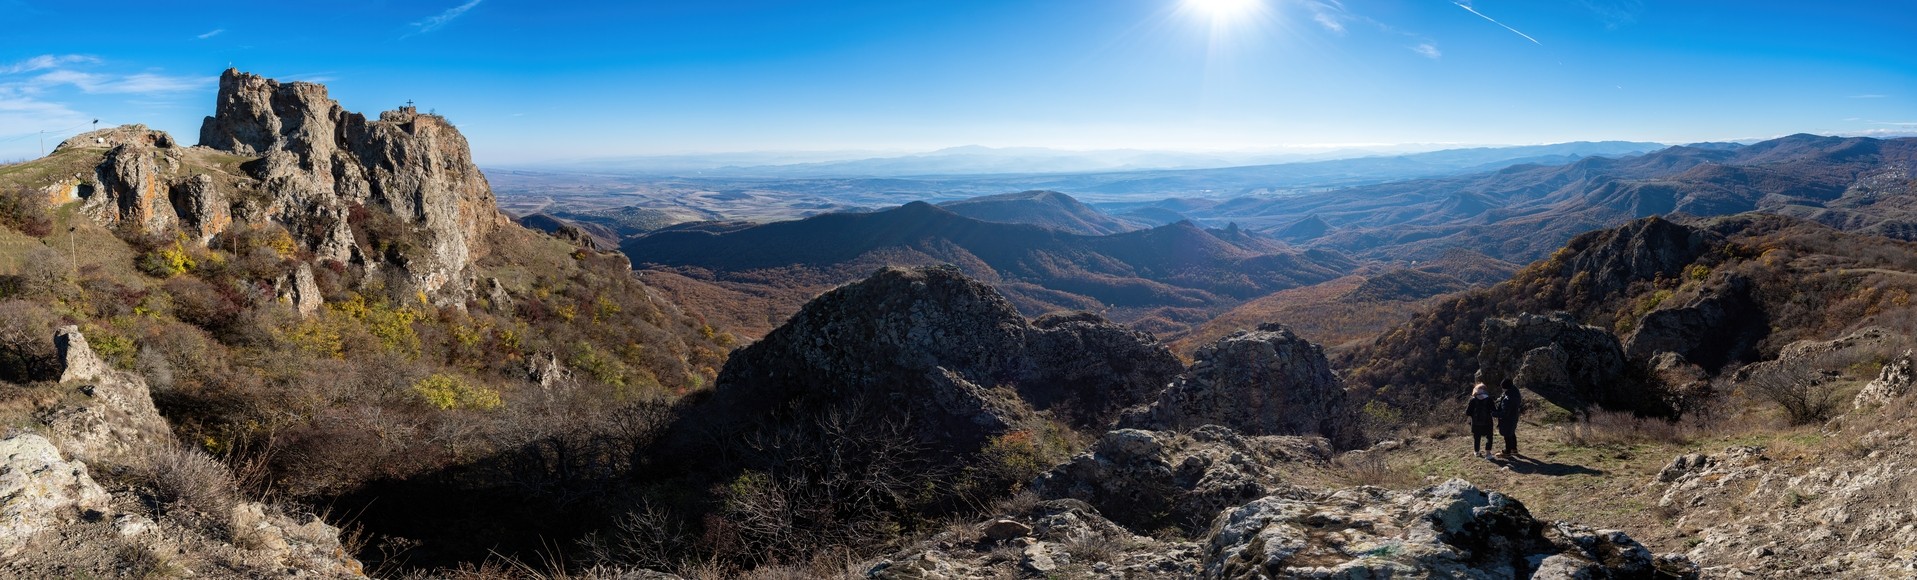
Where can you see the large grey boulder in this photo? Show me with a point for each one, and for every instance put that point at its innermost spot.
(39, 489)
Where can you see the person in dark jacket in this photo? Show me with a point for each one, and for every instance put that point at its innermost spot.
(1480, 410)
(1510, 405)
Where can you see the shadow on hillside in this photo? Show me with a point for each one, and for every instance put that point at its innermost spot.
(1533, 466)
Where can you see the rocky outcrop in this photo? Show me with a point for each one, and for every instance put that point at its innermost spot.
(39, 490)
(106, 413)
(1760, 515)
(1606, 262)
(1450, 530)
(203, 209)
(1716, 325)
(132, 189)
(1891, 382)
(936, 346)
(1151, 479)
(1263, 382)
(320, 162)
(300, 290)
(1567, 363)
(1091, 369)
(109, 138)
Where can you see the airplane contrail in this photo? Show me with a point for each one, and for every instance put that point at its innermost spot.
(1506, 27)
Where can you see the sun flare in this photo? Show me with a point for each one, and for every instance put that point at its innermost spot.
(1224, 9)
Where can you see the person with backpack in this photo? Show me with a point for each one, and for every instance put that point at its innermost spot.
(1480, 410)
(1509, 406)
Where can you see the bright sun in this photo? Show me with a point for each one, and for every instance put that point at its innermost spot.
(1224, 9)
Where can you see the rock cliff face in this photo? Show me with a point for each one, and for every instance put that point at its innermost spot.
(1641, 250)
(41, 491)
(1892, 382)
(1263, 382)
(1717, 325)
(1569, 364)
(320, 162)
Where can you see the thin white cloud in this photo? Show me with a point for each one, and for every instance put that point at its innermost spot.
(46, 61)
(1328, 21)
(1468, 8)
(441, 19)
(210, 33)
(1867, 96)
(140, 83)
(1428, 50)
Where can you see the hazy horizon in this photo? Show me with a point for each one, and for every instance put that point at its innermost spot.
(535, 83)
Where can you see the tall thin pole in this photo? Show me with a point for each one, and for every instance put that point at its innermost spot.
(43, 142)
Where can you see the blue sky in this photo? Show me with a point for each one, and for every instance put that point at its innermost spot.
(534, 80)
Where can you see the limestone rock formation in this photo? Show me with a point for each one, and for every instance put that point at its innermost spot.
(1263, 382)
(320, 162)
(108, 414)
(1567, 363)
(1450, 530)
(133, 188)
(1760, 516)
(301, 291)
(39, 489)
(1719, 324)
(1891, 382)
(203, 208)
(1149, 479)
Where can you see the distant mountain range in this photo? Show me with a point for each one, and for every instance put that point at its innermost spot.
(973, 160)
(1179, 265)
(1523, 212)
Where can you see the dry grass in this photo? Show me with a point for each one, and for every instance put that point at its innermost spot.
(1598, 427)
(1374, 469)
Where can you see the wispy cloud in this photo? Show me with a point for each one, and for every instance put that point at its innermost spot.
(1334, 17)
(46, 61)
(441, 19)
(140, 83)
(1867, 96)
(210, 33)
(1468, 8)
(1428, 50)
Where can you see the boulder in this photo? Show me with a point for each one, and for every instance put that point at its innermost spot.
(107, 413)
(1891, 382)
(203, 209)
(1150, 479)
(300, 290)
(1567, 363)
(39, 489)
(1263, 382)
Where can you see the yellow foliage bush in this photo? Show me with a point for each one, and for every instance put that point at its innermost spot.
(450, 392)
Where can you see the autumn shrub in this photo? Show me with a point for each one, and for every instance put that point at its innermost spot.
(187, 482)
(26, 211)
(27, 352)
(448, 392)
